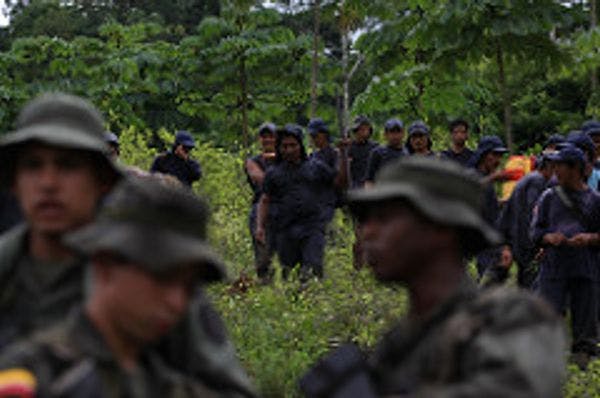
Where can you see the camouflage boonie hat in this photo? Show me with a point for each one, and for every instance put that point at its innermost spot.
(445, 192)
(157, 226)
(60, 120)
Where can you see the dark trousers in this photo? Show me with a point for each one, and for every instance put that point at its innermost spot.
(263, 252)
(304, 245)
(582, 295)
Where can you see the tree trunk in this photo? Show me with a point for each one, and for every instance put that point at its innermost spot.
(506, 101)
(593, 24)
(346, 80)
(244, 101)
(315, 59)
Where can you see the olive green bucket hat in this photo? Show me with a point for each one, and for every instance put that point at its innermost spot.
(445, 192)
(60, 120)
(158, 226)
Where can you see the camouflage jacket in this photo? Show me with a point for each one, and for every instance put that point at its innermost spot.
(199, 346)
(493, 343)
(71, 359)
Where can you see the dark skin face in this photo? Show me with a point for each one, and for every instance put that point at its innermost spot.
(362, 133)
(419, 143)
(290, 149)
(267, 142)
(394, 137)
(320, 140)
(490, 162)
(569, 175)
(459, 136)
(398, 241)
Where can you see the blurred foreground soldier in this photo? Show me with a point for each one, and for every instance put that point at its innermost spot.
(492, 263)
(419, 221)
(458, 151)
(57, 165)
(393, 132)
(516, 215)
(113, 144)
(256, 168)
(148, 255)
(291, 206)
(419, 140)
(177, 161)
(566, 225)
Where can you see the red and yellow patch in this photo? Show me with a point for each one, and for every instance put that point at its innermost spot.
(17, 383)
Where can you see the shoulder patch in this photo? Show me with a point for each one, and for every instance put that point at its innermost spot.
(17, 383)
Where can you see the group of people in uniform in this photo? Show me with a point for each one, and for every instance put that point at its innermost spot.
(101, 286)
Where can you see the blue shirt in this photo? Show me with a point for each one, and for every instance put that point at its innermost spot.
(295, 192)
(552, 215)
(517, 213)
(359, 159)
(186, 171)
(461, 158)
(379, 157)
(330, 196)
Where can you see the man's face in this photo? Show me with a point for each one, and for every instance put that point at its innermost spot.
(362, 133)
(267, 142)
(320, 140)
(419, 142)
(568, 175)
(459, 135)
(396, 241)
(491, 161)
(290, 149)
(143, 306)
(394, 137)
(56, 188)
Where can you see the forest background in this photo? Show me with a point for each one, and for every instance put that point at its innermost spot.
(521, 69)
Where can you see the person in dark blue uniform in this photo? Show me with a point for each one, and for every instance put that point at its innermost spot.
(458, 151)
(177, 161)
(516, 216)
(419, 140)
(583, 141)
(492, 264)
(290, 203)
(393, 134)
(360, 148)
(566, 225)
(113, 144)
(330, 156)
(255, 168)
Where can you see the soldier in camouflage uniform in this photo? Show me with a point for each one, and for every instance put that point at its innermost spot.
(57, 164)
(420, 219)
(148, 254)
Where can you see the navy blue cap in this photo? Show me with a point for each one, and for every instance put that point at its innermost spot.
(267, 127)
(393, 124)
(293, 130)
(317, 125)
(555, 139)
(591, 127)
(183, 137)
(487, 143)
(111, 138)
(418, 127)
(582, 141)
(568, 154)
